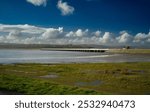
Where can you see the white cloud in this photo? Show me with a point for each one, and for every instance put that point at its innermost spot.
(14, 35)
(107, 38)
(52, 33)
(29, 34)
(125, 38)
(22, 28)
(38, 2)
(141, 37)
(70, 34)
(97, 33)
(79, 33)
(65, 8)
(2, 39)
(148, 40)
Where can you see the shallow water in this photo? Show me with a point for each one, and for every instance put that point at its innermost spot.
(40, 56)
(93, 83)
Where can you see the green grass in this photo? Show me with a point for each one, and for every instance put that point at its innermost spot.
(26, 85)
(110, 78)
(130, 51)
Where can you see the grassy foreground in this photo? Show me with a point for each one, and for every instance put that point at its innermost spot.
(130, 51)
(96, 78)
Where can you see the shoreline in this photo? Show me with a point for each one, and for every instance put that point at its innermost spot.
(38, 56)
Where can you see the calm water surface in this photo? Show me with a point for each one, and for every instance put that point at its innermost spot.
(40, 56)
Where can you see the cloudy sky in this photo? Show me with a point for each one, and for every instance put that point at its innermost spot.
(102, 22)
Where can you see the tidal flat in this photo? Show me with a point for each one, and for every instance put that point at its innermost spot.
(132, 78)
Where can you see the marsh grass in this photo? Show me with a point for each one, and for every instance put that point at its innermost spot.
(116, 78)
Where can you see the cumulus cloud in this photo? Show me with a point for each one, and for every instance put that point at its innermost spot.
(107, 38)
(14, 35)
(142, 37)
(124, 38)
(78, 33)
(65, 8)
(38, 2)
(52, 33)
(29, 34)
(97, 33)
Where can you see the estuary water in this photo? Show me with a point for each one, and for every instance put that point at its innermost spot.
(8, 56)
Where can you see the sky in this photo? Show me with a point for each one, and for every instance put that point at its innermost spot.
(102, 22)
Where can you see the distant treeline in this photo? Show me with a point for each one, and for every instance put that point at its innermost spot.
(29, 46)
(34, 46)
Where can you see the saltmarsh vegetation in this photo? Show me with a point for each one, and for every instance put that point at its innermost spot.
(87, 78)
(130, 51)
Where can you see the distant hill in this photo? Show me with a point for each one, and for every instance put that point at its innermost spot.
(34, 46)
(28, 46)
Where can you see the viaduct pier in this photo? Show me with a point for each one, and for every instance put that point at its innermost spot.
(76, 49)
